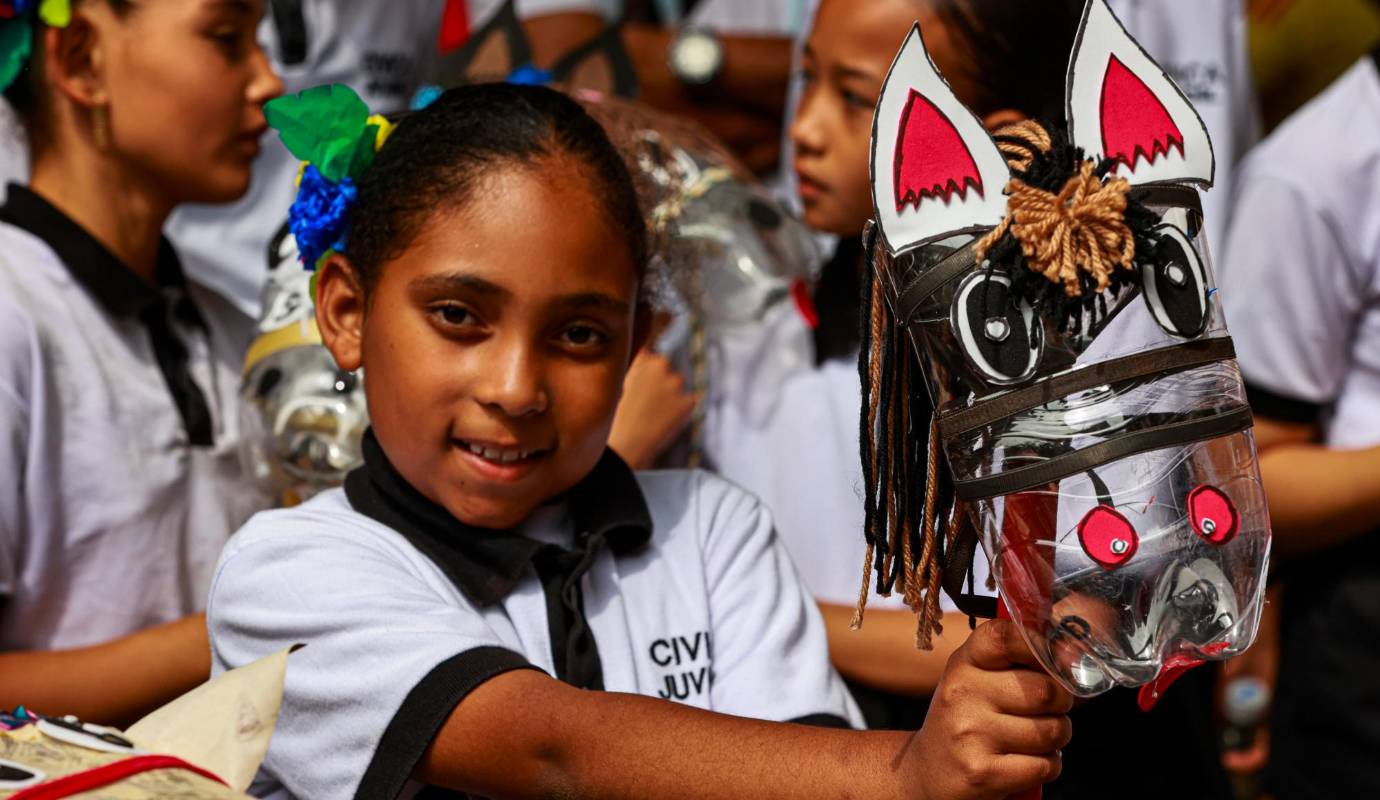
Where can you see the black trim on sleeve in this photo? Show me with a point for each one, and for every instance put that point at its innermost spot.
(822, 721)
(424, 711)
(1276, 406)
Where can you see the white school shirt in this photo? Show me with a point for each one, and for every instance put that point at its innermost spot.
(112, 519)
(1301, 278)
(691, 598)
(383, 50)
(14, 152)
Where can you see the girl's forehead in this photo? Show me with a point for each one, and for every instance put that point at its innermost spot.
(870, 31)
(530, 231)
(864, 37)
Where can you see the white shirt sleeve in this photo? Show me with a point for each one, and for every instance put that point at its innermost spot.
(771, 656)
(1292, 296)
(385, 662)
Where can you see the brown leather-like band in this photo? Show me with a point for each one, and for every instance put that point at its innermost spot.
(1160, 361)
(1218, 423)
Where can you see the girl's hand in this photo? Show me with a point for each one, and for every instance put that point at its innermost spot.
(996, 723)
(654, 410)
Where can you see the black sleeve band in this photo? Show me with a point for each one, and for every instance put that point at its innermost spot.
(822, 721)
(1285, 409)
(424, 711)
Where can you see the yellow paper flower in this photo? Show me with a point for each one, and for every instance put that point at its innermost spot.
(385, 130)
(55, 13)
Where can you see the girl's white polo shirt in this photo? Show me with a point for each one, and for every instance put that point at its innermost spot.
(121, 486)
(666, 584)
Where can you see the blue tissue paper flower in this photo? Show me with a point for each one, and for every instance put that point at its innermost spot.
(319, 215)
(425, 96)
(528, 75)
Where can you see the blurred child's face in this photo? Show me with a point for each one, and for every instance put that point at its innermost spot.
(184, 83)
(846, 59)
(495, 345)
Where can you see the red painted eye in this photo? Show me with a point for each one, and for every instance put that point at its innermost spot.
(1212, 514)
(1107, 537)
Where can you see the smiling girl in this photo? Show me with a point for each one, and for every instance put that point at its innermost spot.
(117, 375)
(495, 603)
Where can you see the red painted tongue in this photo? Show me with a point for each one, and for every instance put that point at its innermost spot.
(1174, 668)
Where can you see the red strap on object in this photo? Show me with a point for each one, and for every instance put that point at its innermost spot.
(101, 776)
(800, 293)
(455, 26)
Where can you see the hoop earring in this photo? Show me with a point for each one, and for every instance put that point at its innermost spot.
(100, 127)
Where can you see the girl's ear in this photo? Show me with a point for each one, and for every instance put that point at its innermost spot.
(340, 311)
(74, 60)
(1001, 118)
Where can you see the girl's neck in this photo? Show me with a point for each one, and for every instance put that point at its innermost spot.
(105, 198)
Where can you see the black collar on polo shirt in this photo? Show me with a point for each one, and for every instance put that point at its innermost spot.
(108, 279)
(607, 506)
(124, 294)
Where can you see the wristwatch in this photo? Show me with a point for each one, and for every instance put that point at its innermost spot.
(695, 56)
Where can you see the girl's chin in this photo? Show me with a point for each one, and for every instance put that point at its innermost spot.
(224, 185)
(825, 220)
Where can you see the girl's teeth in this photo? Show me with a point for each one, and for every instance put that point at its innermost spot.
(501, 456)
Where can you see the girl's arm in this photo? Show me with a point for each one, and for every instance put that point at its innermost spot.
(994, 728)
(114, 683)
(1320, 497)
(882, 653)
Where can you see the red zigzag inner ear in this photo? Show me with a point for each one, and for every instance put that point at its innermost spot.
(1135, 124)
(931, 158)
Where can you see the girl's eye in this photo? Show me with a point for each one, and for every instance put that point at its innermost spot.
(228, 40)
(454, 315)
(583, 336)
(857, 101)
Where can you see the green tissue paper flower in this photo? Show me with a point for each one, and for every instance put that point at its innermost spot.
(16, 37)
(326, 126)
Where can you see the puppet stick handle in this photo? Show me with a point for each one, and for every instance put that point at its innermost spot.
(1030, 794)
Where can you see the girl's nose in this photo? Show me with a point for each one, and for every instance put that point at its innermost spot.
(514, 385)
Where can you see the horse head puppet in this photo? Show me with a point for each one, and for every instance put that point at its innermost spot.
(1081, 414)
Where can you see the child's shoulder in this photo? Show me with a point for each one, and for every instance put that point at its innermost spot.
(684, 502)
(326, 522)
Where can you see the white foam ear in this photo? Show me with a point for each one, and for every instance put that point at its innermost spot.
(1122, 105)
(935, 170)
